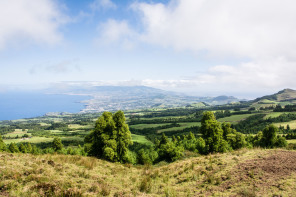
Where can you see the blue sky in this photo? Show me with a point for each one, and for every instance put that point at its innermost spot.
(204, 47)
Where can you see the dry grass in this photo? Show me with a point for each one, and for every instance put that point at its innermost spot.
(245, 172)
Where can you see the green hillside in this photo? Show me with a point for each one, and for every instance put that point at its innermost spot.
(245, 172)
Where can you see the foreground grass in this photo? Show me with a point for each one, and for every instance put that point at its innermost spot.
(245, 172)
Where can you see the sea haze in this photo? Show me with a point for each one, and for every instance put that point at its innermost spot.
(17, 105)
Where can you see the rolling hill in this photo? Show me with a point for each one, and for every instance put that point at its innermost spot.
(283, 97)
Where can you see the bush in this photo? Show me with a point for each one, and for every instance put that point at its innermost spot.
(170, 152)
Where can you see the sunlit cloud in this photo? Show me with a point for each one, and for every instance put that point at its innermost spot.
(30, 21)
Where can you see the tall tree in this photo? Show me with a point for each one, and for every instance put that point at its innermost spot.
(13, 148)
(213, 133)
(110, 138)
(123, 137)
(269, 136)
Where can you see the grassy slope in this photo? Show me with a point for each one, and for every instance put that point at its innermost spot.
(241, 173)
(143, 126)
(292, 124)
(235, 118)
(141, 139)
(182, 126)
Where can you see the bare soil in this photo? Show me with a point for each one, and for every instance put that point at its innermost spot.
(264, 172)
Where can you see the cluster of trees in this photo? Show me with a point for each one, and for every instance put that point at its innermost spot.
(216, 137)
(290, 136)
(258, 122)
(56, 147)
(110, 138)
(267, 138)
(20, 148)
(287, 108)
(219, 137)
(252, 124)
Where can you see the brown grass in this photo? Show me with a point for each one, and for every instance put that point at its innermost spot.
(245, 172)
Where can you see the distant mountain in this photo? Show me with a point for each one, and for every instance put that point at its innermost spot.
(112, 98)
(283, 95)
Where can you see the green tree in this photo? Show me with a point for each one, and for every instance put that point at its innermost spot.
(57, 144)
(212, 133)
(13, 148)
(22, 148)
(2, 145)
(123, 137)
(35, 150)
(269, 136)
(288, 127)
(110, 138)
(226, 127)
(28, 147)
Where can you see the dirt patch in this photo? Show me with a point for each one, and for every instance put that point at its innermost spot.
(50, 162)
(264, 171)
(280, 163)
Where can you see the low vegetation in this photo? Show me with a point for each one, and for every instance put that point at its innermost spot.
(245, 172)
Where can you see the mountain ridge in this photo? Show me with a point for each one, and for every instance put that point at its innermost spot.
(112, 98)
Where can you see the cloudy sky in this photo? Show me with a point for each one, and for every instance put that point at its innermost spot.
(207, 47)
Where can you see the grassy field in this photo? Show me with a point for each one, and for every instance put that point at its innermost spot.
(136, 138)
(31, 140)
(17, 132)
(183, 126)
(78, 126)
(245, 172)
(141, 139)
(56, 131)
(235, 118)
(143, 126)
(165, 117)
(293, 141)
(266, 101)
(273, 115)
(292, 124)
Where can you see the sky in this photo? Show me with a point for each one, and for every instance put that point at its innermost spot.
(244, 48)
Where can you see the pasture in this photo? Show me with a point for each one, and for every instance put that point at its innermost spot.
(182, 126)
(235, 118)
(141, 139)
(32, 140)
(144, 126)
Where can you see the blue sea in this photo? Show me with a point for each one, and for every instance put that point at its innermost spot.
(17, 105)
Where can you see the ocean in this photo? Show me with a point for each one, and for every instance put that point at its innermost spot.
(18, 105)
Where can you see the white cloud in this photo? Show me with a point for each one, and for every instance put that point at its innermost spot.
(30, 20)
(116, 32)
(244, 28)
(261, 31)
(102, 4)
